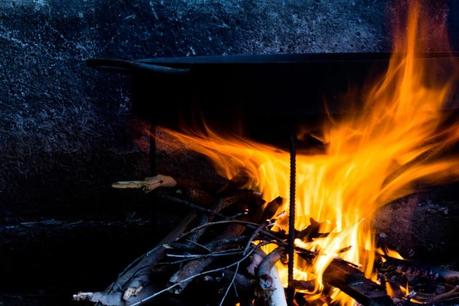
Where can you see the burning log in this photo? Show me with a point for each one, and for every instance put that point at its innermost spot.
(348, 278)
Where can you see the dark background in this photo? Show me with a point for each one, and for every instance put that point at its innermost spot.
(65, 129)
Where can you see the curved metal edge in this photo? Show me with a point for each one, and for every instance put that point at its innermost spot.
(126, 66)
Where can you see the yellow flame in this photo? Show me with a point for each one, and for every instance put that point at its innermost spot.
(395, 139)
(390, 253)
(390, 291)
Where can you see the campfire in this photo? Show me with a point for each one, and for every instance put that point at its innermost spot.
(238, 245)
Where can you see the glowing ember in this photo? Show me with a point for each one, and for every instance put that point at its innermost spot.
(372, 157)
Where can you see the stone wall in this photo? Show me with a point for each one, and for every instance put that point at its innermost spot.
(63, 125)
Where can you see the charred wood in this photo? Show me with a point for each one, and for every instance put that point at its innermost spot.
(349, 279)
(271, 208)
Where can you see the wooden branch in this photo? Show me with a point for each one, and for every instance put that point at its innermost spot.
(148, 184)
(269, 281)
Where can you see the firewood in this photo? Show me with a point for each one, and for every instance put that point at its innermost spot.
(197, 266)
(269, 281)
(193, 266)
(271, 208)
(201, 274)
(234, 229)
(303, 285)
(267, 211)
(349, 279)
(227, 242)
(342, 275)
(215, 211)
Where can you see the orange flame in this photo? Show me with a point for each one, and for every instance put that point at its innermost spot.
(373, 157)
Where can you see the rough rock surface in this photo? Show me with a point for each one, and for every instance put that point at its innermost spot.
(422, 227)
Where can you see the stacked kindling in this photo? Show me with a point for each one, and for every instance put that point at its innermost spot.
(216, 255)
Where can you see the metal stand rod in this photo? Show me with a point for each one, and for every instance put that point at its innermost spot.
(291, 222)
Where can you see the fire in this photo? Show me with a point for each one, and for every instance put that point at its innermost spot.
(396, 139)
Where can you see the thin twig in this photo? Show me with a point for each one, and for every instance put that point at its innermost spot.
(213, 254)
(247, 223)
(236, 270)
(199, 245)
(196, 256)
(279, 241)
(191, 205)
